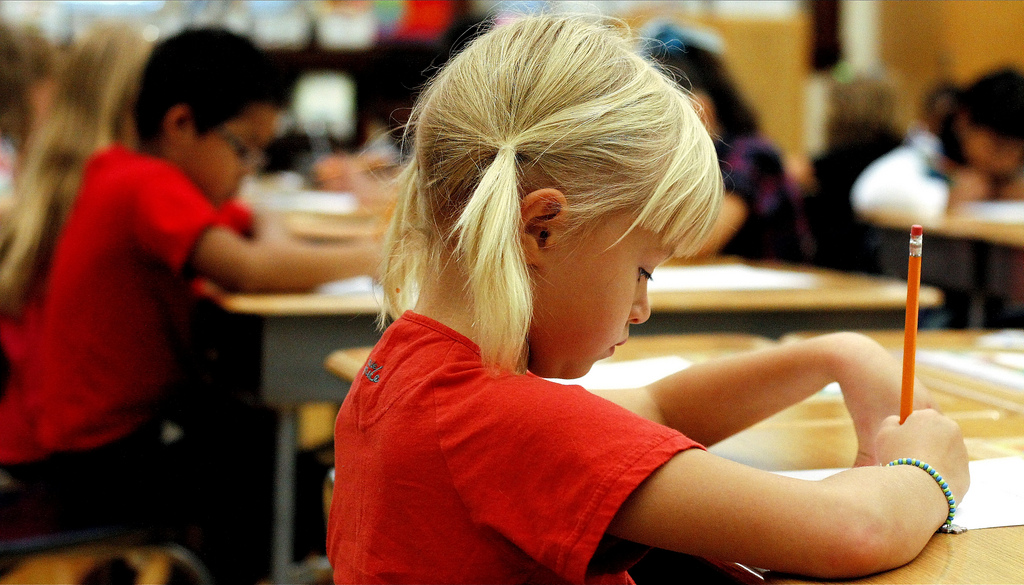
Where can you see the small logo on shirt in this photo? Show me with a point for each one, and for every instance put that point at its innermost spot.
(372, 371)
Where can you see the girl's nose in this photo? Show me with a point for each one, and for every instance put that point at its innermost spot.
(641, 310)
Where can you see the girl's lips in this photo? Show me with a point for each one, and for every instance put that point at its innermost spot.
(622, 342)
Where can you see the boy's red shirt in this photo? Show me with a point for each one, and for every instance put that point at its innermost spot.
(115, 332)
(448, 474)
(20, 400)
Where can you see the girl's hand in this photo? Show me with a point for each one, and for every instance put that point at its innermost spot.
(932, 438)
(871, 380)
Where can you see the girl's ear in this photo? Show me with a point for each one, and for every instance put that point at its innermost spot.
(544, 212)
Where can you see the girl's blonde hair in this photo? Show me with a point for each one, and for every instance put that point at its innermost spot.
(26, 59)
(91, 110)
(544, 101)
(862, 109)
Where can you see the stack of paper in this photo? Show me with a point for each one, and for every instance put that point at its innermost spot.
(974, 366)
(728, 277)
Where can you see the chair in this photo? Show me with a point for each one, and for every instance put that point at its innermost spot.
(347, 363)
(328, 493)
(37, 546)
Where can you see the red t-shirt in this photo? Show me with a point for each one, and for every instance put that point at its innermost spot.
(446, 473)
(236, 216)
(115, 335)
(19, 340)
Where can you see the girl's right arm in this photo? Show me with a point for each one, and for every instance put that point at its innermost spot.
(857, 522)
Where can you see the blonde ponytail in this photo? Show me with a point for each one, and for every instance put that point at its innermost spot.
(489, 247)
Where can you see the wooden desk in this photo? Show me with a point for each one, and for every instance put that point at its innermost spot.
(818, 433)
(979, 258)
(332, 228)
(992, 428)
(838, 300)
(944, 380)
(294, 333)
(992, 555)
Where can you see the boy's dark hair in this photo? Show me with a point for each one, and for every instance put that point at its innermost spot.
(996, 101)
(215, 72)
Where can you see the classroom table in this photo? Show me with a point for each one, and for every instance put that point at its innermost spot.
(974, 255)
(992, 420)
(277, 343)
(331, 228)
(818, 433)
(950, 379)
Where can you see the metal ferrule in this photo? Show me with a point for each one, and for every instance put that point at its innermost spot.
(915, 245)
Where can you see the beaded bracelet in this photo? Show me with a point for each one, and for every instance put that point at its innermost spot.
(948, 526)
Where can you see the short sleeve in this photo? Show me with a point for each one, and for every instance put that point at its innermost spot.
(236, 216)
(168, 215)
(566, 462)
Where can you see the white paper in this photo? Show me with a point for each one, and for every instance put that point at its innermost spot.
(727, 277)
(607, 375)
(323, 202)
(974, 367)
(357, 285)
(1012, 339)
(995, 498)
(996, 211)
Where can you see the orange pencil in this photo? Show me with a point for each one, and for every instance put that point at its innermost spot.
(910, 333)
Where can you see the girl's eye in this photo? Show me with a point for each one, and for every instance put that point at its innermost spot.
(646, 275)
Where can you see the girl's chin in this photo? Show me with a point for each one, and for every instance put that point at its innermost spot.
(565, 371)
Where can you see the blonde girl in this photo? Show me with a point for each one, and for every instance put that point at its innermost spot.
(91, 110)
(553, 169)
(28, 70)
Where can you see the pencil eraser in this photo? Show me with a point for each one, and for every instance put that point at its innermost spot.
(916, 230)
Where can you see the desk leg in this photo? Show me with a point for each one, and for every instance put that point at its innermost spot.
(281, 560)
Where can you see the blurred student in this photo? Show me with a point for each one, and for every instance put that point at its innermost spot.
(116, 362)
(978, 155)
(860, 128)
(28, 69)
(91, 110)
(762, 213)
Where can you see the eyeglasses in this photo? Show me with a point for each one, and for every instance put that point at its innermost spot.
(253, 158)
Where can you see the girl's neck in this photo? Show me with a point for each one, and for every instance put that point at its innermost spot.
(444, 298)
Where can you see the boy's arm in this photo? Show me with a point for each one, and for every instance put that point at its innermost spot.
(713, 400)
(278, 265)
(857, 522)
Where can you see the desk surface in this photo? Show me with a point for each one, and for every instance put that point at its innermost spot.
(960, 226)
(333, 228)
(835, 292)
(947, 380)
(818, 433)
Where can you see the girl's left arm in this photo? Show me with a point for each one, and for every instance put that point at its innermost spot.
(713, 400)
